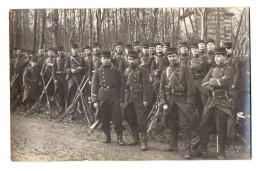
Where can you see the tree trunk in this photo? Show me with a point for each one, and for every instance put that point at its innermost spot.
(186, 29)
(238, 30)
(55, 27)
(90, 25)
(43, 12)
(35, 29)
(173, 28)
(178, 27)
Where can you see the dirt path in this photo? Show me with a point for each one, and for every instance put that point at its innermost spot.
(39, 139)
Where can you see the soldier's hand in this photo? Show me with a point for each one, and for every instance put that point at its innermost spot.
(79, 67)
(122, 105)
(165, 107)
(233, 87)
(73, 70)
(145, 103)
(55, 81)
(95, 105)
(42, 74)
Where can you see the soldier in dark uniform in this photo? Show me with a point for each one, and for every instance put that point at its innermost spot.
(95, 62)
(177, 97)
(218, 114)
(137, 48)
(202, 46)
(123, 63)
(88, 54)
(184, 53)
(59, 77)
(235, 63)
(105, 90)
(165, 48)
(152, 54)
(32, 84)
(75, 67)
(46, 72)
(118, 56)
(210, 54)
(88, 58)
(41, 58)
(158, 65)
(198, 68)
(145, 63)
(136, 94)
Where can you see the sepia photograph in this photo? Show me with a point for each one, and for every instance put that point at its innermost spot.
(130, 84)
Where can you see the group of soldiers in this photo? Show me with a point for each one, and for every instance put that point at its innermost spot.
(197, 86)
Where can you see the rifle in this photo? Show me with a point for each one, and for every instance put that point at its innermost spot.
(48, 101)
(36, 105)
(95, 125)
(75, 100)
(14, 79)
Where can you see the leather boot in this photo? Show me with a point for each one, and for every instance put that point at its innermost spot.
(144, 146)
(221, 153)
(108, 136)
(120, 139)
(187, 144)
(136, 139)
(173, 142)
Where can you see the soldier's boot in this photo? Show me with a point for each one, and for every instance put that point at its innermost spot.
(173, 143)
(187, 144)
(120, 139)
(144, 146)
(108, 136)
(221, 153)
(136, 139)
(202, 151)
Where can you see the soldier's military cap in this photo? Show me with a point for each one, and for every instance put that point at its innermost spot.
(136, 43)
(158, 44)
(133, 54)
(74, 46)
(145, 45)
(128, 46)
(167, 44)
(151, 45)
(210, 41)
(183, 44)
(194, 45)
(95, 44)
(172, 50)
(60, 48)
(201, 41)
(106, 54)
(227, 45)
(87, 47)
(118, 44)
(220, 50)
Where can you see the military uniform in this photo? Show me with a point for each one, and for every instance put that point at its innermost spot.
(94, 64)
(59, 75)
(41, 59)
(105, 90)
(123, 64)
(218, 111)
(135, 90)
(32, 85)
(79, 65)
(184, 58)
(177, 90)
(210, 57)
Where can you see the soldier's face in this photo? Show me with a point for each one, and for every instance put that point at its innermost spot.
(33, 64)
(220, 59)
(127, 50)
(137, 48)
(201, 47)
(18, 52)
(132, 62)
(210, 46)
(74, 51)
(106, 61)
(145, 51)
(173, 59)
(87, 51)
(96, 49)
(194, 51)
(165, 49)
(50, 53)
(229, 51)
(152, 50)
(158, 49)
(119, 49)
(184, 50)
(40, 52)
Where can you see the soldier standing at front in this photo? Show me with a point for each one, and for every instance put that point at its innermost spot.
(136, 94)
(59, 77)
(218, 114)
(177, 98)
(105, 91)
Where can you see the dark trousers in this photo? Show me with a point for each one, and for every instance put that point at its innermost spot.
(215, 120)
(110, 111)
(60, 89)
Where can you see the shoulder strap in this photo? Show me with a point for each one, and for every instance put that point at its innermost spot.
(72, 58)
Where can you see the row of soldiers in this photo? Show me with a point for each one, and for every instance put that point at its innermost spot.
(194, 82)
